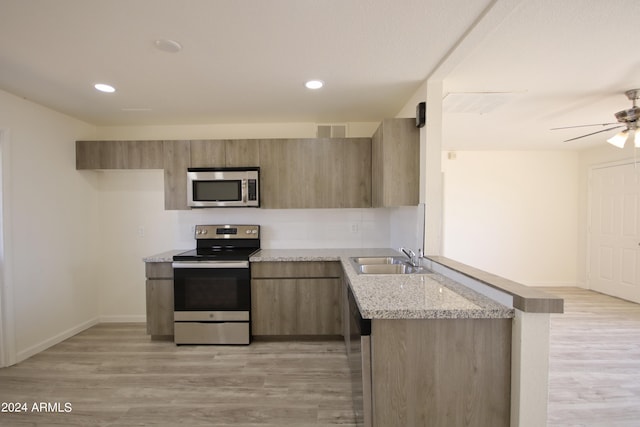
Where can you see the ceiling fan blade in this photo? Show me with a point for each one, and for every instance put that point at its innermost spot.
(583, 126)
(593, 133)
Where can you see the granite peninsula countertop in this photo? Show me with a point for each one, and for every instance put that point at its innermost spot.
(404, 296)
(388, 296)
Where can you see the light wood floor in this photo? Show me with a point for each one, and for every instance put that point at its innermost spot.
(113, 375)
(594, 373)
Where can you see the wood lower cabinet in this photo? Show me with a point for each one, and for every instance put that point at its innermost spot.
(441, 372)
(159, 293)
(296, 298)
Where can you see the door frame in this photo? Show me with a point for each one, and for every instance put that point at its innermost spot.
(592, 168)
(7, 318)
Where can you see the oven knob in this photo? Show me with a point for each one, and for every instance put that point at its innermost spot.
(198, 231)
(254, 231)
(248, 231)
(204, 231)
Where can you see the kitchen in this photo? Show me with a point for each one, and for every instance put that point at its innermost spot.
(98, 211)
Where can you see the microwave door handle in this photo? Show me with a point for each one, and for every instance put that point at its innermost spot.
(245, 190)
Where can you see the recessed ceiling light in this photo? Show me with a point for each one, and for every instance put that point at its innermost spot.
(104, 87)
(168, 45)
(314, 84)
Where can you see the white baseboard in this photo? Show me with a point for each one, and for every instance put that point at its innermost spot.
(132, 318)
(35, 349)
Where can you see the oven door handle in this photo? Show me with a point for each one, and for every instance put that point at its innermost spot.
(210, 264)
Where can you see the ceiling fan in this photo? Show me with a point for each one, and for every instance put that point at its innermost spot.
(626, 119)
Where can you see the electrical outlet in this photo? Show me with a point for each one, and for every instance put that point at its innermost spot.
(355, 228)
(140, 231)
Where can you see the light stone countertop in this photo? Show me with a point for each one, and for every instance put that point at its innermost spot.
(388, 296)
(410, 296)
(164, 256)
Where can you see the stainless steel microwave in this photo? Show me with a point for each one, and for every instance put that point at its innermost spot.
(223, 187)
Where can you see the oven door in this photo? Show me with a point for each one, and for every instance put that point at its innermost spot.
(212, 302)
(216, 286)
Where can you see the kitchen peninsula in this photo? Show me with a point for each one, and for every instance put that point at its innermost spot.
(440, 350)
(439, 354)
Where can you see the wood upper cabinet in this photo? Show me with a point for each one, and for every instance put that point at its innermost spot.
(207, 154)
(296, 298)
(219, 153)
(294, 173)
(396, 163)
(242, 152)
(177, 158)
(119, 155)
(316, 173)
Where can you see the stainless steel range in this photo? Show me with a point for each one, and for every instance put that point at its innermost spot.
(212, 286)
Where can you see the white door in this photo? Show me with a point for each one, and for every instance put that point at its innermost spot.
(614, 231)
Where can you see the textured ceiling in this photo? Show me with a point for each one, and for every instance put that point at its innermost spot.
(242, 61)
(561, 62)
(565, 63)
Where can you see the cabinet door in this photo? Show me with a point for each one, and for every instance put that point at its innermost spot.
(100, 155)
(207, 153)
(355, 173)
(273, 307)
(144, 154)
(278, 182)
(313, 173)
(242, 152)
(177, 159)
(159, 306)
(396, 163)
(318, 306)
(377, 170)
(119, 155)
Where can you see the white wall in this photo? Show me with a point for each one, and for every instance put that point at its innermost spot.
(53, 211)
(514, 214)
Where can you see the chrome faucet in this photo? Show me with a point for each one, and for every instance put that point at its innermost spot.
(412, 256)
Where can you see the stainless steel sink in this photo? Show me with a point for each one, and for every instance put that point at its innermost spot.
(383, 269)
(386, 265)
(377, 260)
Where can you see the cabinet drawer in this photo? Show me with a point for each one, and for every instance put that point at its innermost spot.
(159, 270)
(289, 269)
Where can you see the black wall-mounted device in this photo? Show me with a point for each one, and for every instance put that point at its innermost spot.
(421, 114)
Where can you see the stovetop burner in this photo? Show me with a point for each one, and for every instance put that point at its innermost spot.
(216, 254)
(223, 243)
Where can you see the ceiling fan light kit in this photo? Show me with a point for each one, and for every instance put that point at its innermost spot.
(620, 139)
(628, 118)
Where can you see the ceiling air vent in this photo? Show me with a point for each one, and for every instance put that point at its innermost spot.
(331, 131)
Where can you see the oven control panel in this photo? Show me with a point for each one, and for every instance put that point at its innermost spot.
(227, 231)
